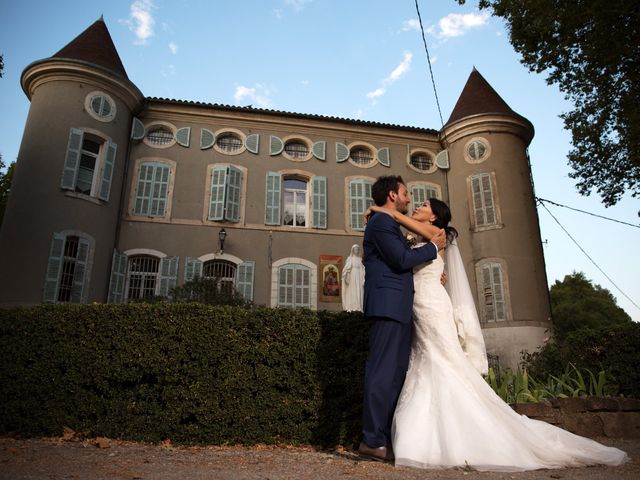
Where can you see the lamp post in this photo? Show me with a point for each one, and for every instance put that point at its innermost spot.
(222, 234)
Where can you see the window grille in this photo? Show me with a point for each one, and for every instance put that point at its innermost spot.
(143, 274)
(229, 142)
(221, 270)
(160, 136)
(68, 268)
(296, 149)
(422, 161)
(361, 155)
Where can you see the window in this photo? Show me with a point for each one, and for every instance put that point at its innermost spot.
(493, 295)
(225, 192)
(296, 149)
(421, 192)
(485, 213)
(88, 165)
(67, 269)
(288, 200)
(222, 270)
(361, 155)
(359, 200)
(294, 284)
(477, 150)
(152, 190)
(159, 136)
(229, 142)
(100, 106)
(141, 274)
(422, 161)
(231, 271)
(142, 277)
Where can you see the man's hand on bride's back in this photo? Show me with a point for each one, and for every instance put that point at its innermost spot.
(440, 239)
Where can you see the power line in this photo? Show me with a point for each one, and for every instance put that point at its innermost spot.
(424, 40)
(587, 255)
(588, 213)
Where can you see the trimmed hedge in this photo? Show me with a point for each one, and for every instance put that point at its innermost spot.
(192, 373)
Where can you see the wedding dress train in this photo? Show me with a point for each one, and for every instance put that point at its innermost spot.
(448, 416)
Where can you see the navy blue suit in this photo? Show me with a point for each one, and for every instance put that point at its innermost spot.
(388, 303)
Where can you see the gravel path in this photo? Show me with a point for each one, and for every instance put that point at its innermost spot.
(97, 459)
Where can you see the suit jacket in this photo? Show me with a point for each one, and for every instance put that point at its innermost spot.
(389, 262)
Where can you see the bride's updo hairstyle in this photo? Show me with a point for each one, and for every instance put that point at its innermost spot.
(443, 217)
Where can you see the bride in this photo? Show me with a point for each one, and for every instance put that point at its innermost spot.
(447, 415)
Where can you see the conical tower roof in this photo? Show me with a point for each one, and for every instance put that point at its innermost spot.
(478, 97)
(96, 47)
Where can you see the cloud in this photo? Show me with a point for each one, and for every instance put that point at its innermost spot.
(168, 70)
(396, 74)
(297, 5)
(258, 95)
(173, 47)
(457, 24)
(411, 24)
(141, 20)
(378, 92)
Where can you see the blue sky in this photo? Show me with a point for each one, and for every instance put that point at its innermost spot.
(361, 59)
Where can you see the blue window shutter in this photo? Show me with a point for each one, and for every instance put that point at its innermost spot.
(245, 278)
(342, 152)
(286, 285)
(216, 197)
(418, 195)
(319, 150)
(384, 158)
(168, 275)
(302, 286)
(275, 145)
(320, 202)
(234, 186)
(79, 290)
(359, 200)
(272, 201)
(118, 276)
(137, 129)
(207, 139)
(153, 189)
(72, 160)
(192, 269)
(183, 136)
(54, 268)
(107, 171)
(252, 143)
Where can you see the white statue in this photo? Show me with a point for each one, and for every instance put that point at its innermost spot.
(353, 281)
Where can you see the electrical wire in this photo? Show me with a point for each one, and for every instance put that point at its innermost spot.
(540, 200)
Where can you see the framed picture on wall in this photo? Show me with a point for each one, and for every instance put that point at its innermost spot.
(330, 275)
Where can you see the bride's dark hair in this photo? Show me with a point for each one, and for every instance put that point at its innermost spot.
(443, 213)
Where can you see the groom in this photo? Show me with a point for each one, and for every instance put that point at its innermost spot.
(388, 304)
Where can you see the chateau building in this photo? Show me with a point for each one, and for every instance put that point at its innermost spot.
(117, 196)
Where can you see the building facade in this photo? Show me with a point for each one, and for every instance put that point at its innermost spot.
(117, 196)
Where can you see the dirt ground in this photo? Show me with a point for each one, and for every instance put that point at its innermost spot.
(97, 459)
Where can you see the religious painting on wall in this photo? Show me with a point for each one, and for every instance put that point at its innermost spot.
(330, 283)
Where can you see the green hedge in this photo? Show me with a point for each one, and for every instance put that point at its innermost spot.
(192, 373)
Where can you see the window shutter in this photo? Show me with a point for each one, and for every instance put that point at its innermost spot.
(192, 269)
(252, 143)
(207, 139)
(272, 201)
(275, 145)
(476, 194)
(442, 160)
(216, 198)
(107, 171)
(487, 288)
(286, 284)
(72, 160)
(234, 187)
(118, 276)
(498, 291)
(319, 150)
(153, 189)
(54, 268)
(384, 156)
(168, 275)
(78, 290)
(183, 136)
(137, 129)
(245, 278)
(418, 195)
(320, 202)
(487, 197)
(342, 152)
(302, 286)
(359, 200)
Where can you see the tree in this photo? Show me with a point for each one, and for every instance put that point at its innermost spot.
(591, 50)
(5, 186)
(576, 303)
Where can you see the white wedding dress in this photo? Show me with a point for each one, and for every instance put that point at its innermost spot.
(448, 416)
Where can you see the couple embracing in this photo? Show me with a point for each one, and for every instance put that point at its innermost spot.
(426, 404)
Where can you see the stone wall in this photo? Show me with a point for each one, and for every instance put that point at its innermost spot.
(615, 417)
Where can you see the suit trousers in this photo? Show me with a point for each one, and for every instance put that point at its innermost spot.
(386, 367)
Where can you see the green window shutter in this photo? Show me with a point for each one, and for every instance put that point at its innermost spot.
(418, 195)
(168, 275)
(252, 143)
(107, 171)
(342, 152)
(54, 268)
(216, 198)
(319, 150)
(118, 276)
(302, 286)
(245, 275)
(72, 160)
(207, 139)
(359, 200)
(233, 191)
(183, 136)
(272, 201)
(192, 269)
(275, 145)
(442, 160)
(153, 189)
(384, 157)
(137, 129)
(320, 202)
(286, 279)
(78, 290)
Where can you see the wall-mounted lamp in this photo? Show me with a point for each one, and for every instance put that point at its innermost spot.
(222, 234)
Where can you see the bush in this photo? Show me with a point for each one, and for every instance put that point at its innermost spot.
(211, 291)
